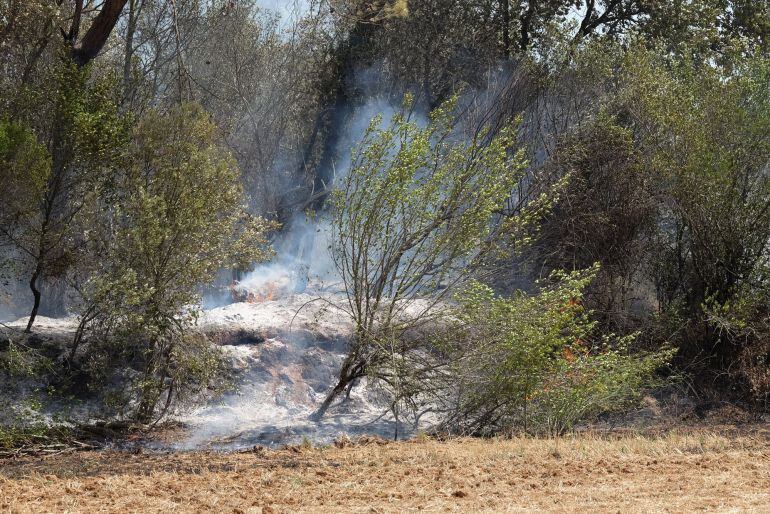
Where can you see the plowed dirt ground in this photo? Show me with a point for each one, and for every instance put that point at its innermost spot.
(725, 470)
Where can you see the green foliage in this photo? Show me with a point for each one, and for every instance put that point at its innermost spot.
(607, 213)
(705, 133)
(20, 152)
(50, 189)
(18, 436)
(25, 166)
(710, 29)
(742, 324)
(532, 361)
(25, 375)
(175, 219)
(100, 131)
(414, 219)
(415, 211)
(18, 361)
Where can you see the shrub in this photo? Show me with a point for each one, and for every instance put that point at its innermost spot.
(177, 217)
(704, 132)
(532, 361)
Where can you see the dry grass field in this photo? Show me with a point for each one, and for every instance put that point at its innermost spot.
(723, 470)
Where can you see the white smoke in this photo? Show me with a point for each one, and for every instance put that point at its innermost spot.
(285, 355)
(291, 300)
(303, 260)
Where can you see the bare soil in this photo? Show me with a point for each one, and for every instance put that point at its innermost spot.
(724, 469)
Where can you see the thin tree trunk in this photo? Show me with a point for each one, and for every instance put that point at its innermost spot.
(87, 318)
(395, 415)
(319, 413)
(36, 294)
(128, 86)
(349, 373)
(525, 26)
(506, 27)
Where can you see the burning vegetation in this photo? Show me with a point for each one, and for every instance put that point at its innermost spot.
(241, 294)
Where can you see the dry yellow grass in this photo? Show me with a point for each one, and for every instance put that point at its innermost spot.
(675, 472)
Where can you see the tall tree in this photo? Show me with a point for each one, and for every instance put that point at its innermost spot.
(47, 88)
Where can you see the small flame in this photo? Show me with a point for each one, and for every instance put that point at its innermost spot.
(267, 294)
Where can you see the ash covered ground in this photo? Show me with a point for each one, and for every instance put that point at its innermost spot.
(284, 354)
(284, 341)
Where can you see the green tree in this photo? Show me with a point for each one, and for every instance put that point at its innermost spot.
(86, 136)
(705, 133)
(46, 84)
(24, 168)
(607, 214)
(708, 27)
(175, 218)
(414, 219)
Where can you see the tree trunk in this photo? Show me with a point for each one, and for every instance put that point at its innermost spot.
(128, 83)
(97, 34)
(87, 318)
(525, 24)
(349, 373)
(36, 294)
(505, 9)
(339, 96)
(319, 413)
